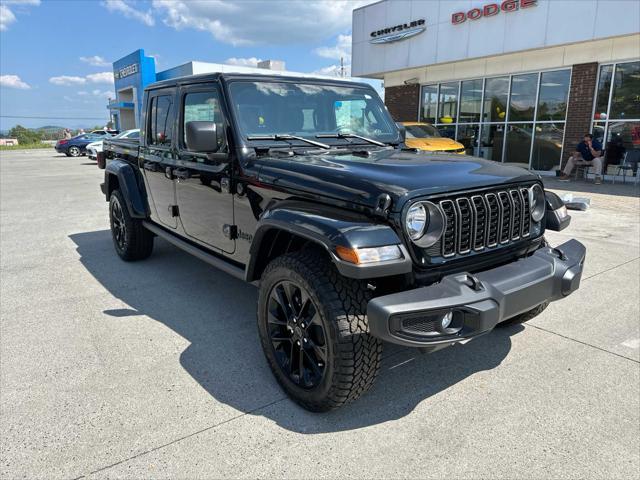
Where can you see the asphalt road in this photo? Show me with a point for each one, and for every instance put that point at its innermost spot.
(153, 369)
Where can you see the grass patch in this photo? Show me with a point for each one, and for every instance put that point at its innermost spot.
(26, 146)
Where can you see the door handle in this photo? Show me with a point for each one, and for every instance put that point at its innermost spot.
(168, 173)
(182, 173)
(150, 166)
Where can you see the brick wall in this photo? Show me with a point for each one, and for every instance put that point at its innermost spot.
(402, 102)
(581, 96)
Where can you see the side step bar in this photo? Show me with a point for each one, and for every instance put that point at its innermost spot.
(196, 252)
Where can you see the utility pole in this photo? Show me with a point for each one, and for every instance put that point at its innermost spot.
(342, 66)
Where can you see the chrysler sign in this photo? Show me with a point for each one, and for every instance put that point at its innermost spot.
(398, 32)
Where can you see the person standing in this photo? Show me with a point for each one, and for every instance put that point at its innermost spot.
(588, 152)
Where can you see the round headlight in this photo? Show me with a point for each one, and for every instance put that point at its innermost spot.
(424, 224)
(416, 220)
(537, 202)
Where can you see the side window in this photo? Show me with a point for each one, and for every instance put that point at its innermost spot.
(161, 122)
(135, 134)
(203, 107)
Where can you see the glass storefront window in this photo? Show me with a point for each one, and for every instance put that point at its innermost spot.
(447, 131)
(518, 145)
(523, 97)
(448, 105)
(496, 93)
(602, 96)
(470, 101)
(554, 93)
(468, 135)
(621, 138)
(491, 141)
(625, 100)
(547, 146)
(429, 108)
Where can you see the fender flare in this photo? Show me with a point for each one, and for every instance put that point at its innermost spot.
(556, 217)
(135, 196)
(330, 227)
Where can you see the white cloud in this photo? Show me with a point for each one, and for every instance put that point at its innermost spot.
(333, 71)
(255, 21)
(102, 93)
(342, 49)
(66, 80)
(95, 61)
(102, 77)
(13, 81)
(245, 62)
(7, 17)
(128, 11)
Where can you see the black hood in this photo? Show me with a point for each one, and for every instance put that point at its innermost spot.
(402, 175)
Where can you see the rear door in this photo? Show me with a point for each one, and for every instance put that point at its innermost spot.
(158, 157)
(203, 179)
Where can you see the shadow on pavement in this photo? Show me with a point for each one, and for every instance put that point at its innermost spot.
(216, 314)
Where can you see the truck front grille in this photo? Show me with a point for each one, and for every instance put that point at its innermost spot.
(484, 220)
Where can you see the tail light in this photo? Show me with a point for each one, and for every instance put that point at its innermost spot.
(62, 142)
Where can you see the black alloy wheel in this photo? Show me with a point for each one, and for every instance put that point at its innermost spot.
(74, 151)
(297, 335)
(118, 225)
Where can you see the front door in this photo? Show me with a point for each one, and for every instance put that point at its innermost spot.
(157, 158)
(203, 179)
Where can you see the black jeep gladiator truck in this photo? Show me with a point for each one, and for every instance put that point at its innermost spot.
(304, 187)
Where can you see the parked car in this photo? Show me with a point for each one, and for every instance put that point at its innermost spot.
(305, 188)
(96, 147)
(425, 136)
(110, 132)
(76, 146)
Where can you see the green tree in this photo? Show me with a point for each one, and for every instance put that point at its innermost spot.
(24, 135)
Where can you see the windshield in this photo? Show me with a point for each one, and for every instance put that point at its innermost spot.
(422, 131)
(307, 110)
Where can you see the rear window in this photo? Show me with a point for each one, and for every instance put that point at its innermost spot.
(161, 121)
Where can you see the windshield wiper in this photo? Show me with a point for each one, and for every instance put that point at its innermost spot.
(351, 135)
(286, 137)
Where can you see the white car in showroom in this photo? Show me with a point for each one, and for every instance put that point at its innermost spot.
(96, 147)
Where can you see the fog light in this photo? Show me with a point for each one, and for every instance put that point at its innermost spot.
(446, 320)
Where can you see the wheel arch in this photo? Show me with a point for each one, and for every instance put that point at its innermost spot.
(121, 175)
(294, 225)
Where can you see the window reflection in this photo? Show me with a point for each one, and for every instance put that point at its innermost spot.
(621, 138)
(625, 101)
(429, 103)
(496, 92)
(604, 86)
(523, 97)
(447, 131)
(468, 135)
(492, 138)
(554, 93)
(519, 143)
(547, 146)
(470, 101)
(447, 112)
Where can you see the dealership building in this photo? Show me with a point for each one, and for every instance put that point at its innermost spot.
(515, 81)
(133, 72)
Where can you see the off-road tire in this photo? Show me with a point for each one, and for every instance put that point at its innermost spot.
(354, 356)
(137, 241)
(74, 152)
(526, 316)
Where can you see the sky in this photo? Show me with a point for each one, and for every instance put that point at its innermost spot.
(56, 55)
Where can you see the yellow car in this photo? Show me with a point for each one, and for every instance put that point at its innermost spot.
(424, 136)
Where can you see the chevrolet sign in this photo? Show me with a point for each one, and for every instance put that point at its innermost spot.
(398, 32)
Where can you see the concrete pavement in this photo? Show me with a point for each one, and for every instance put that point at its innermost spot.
(154, 369)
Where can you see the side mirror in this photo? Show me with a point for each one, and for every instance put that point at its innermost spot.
(403, 131)
(202, 137)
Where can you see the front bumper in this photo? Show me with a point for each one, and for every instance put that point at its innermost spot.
(476, 303)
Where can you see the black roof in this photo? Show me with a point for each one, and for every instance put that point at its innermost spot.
(214, 77)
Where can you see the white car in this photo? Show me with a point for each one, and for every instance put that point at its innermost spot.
(96, 147)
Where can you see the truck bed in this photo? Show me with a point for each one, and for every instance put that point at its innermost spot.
(125, 148)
